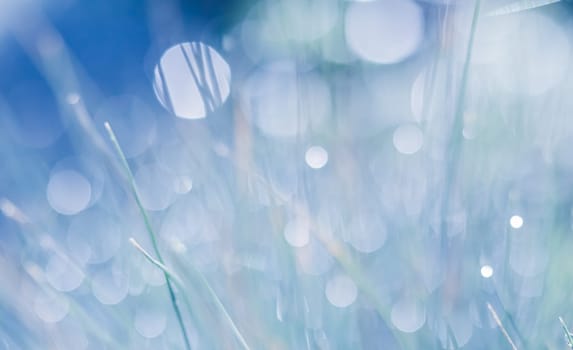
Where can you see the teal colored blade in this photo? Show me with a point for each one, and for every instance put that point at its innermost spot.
(520, 6)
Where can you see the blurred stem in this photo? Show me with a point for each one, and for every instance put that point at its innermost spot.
(155, 262)
(568, 334)
(149, 229)
(453, 147)
(501, 327)
(214, 297)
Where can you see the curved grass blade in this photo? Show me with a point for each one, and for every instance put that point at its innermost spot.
(568, 334)
(213, 295)
(156, 262)
(179, 282)
(149, 229)
(501, 327)
(520, 6)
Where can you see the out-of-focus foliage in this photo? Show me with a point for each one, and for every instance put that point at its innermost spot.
(319, 174)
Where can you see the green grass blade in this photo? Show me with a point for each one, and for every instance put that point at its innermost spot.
(218, 303)
(150, 232)
(568, 334)
(501, 327)
(156, 262)
(520, 6)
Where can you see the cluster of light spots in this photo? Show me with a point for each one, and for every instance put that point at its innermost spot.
(51, 308)
(192, 80)
(486, 271)
(296, 232)
(285, 102)
(316, 157)
(341, 291)
(149, 323)
(133, 123)
(93, 236)
(63, 274)
(516, 221)
(110, 286)
(386, 31)
(68, 192)
(408, 139)
(408, 315)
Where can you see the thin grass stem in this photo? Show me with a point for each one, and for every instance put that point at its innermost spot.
(501, 327)
(218, 303)
(149, 229)
(568, 334)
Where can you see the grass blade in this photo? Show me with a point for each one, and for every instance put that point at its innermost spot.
(501, 327)
(156, 262)
(520, 6)
(149, 229)
(218, 303)
(568, 334)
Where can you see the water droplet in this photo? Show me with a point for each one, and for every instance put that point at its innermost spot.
(486, 271)
(94, 236)
(366, 232)
(341, 291)
(296, 232)
(110, 286)
(408, 139)
(62, 274)
(68, 192)
(156, 187)
(408, 315)
(316, 157)
(516, 221)
(149, 323)
(192, 80)
(384, 31)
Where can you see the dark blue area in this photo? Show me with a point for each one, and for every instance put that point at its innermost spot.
(111, 39)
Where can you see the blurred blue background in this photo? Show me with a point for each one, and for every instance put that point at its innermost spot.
(318, 174)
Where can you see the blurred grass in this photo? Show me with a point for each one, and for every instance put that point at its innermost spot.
(479, 175)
